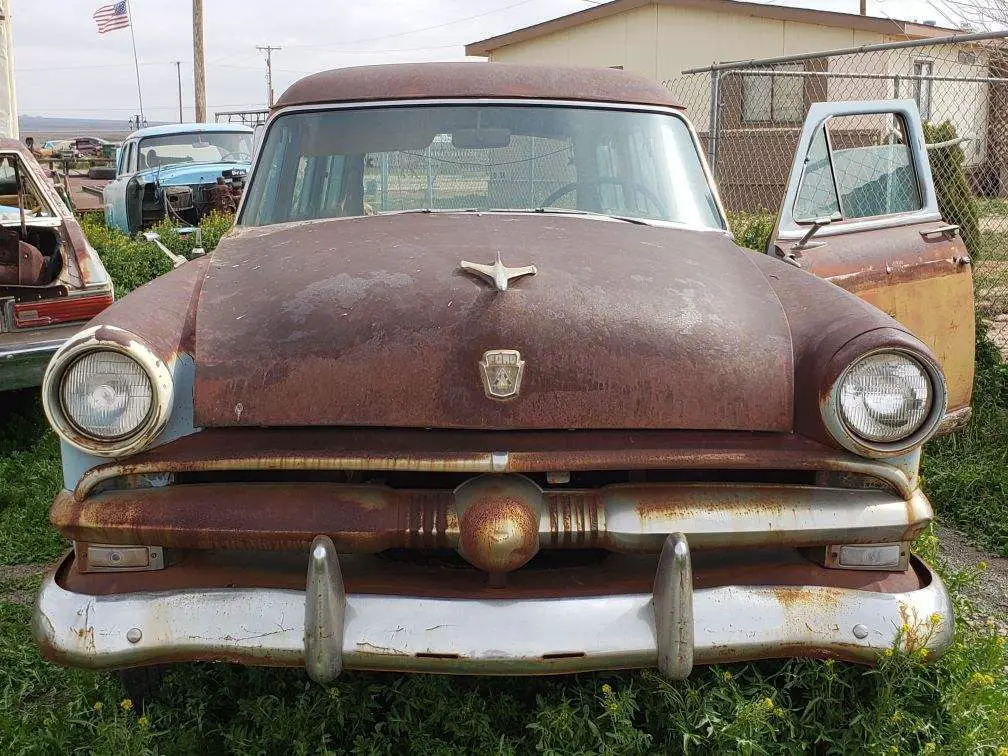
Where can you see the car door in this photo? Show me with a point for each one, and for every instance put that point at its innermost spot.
(861, 211)
(114, 192)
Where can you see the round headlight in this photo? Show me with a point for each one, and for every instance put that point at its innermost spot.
(106, 395)
(885, 397)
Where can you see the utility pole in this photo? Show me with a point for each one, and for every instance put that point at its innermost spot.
(178, 68)
(269, 71)
(864, 7)
(199, 70)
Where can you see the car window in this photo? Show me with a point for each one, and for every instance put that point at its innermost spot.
(484, 157)
(858, 167)
(198, 148)
(12, 200)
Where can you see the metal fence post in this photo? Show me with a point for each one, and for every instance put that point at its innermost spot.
(714, 121)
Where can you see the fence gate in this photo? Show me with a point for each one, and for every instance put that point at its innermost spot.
(750, 113)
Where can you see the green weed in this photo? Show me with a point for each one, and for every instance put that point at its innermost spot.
(966, 474)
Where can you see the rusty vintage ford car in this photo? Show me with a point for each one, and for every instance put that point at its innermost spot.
(480, 383)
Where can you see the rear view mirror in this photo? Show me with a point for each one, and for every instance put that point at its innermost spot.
(480, 138)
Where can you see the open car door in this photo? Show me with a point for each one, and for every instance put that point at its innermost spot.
(861, 211)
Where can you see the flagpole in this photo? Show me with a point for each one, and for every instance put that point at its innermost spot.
(136, 63)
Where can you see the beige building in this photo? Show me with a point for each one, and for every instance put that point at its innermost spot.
(662, 38)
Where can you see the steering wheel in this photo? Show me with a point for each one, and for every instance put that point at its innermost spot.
(626, 184)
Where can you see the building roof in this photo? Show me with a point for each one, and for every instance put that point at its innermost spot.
(887, 26)
(190, 128)
(411, 81)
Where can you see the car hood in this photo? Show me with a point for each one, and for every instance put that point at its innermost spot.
(370, 322)
(185, 174)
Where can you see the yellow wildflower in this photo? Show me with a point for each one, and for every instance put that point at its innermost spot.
(905, 628)
(97, 706)
(607, 689)
(981, 680)
(982, 566)
(1003, 751)
(612, 706)
(936, 618)
(768, 704)
(897, 716)
(144, 722)
(779, 712)
(930, 747)
(726, 676)
(888, 652)
(923, 653)
(126, 704)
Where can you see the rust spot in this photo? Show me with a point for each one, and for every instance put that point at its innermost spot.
(498, 533)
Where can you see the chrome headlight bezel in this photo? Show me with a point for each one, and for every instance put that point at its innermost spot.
(848, 437)
(122, 342)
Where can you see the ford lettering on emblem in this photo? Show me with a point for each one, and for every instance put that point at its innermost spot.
(501, 371)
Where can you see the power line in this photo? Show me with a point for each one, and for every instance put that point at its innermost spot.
(414, 31)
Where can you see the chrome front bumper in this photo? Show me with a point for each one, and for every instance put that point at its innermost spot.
(23, 365)
(326, 630)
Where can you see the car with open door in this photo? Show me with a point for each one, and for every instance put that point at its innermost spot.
(51, 280)
(180, 172)
(481, 383)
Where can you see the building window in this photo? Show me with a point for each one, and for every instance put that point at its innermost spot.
(776, 98)
(923, 70)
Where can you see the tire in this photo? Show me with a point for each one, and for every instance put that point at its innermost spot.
(104, 173)
(142, 684)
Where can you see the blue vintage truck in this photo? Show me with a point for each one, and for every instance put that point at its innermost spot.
(179, 171)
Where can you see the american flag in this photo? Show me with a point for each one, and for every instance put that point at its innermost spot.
(112, 17)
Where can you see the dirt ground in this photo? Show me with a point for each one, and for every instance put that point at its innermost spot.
(991, 591)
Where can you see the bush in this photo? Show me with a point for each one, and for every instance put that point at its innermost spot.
(752, 230)
(955, 199)
(133, 262)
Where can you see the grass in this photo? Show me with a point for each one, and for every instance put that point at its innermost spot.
(957, 704)
(966, 474)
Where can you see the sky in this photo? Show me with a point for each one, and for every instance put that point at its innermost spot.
(64, 68)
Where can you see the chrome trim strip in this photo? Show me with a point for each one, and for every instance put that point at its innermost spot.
(25, 365)
(30, 350)
(476, 462)
(535, 636)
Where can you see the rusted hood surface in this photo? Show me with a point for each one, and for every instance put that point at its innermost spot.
(370, 322)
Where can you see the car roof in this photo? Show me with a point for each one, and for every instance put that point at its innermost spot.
(410, 81)
(190, 128)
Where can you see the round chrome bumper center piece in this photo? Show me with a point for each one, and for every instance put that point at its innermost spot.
(499, 521)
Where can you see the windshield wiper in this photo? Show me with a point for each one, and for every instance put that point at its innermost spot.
(588, 213)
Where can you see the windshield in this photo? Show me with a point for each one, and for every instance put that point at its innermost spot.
(367, 161)
(220, 147)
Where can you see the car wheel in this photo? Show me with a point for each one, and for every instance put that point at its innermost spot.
(142, 684)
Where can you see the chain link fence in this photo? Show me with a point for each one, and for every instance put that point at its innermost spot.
(750, 115)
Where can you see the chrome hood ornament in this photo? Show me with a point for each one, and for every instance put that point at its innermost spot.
(501, 371)
(497, 273)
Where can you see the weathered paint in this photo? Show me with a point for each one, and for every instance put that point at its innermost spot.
(623, 326)
(939, 311)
